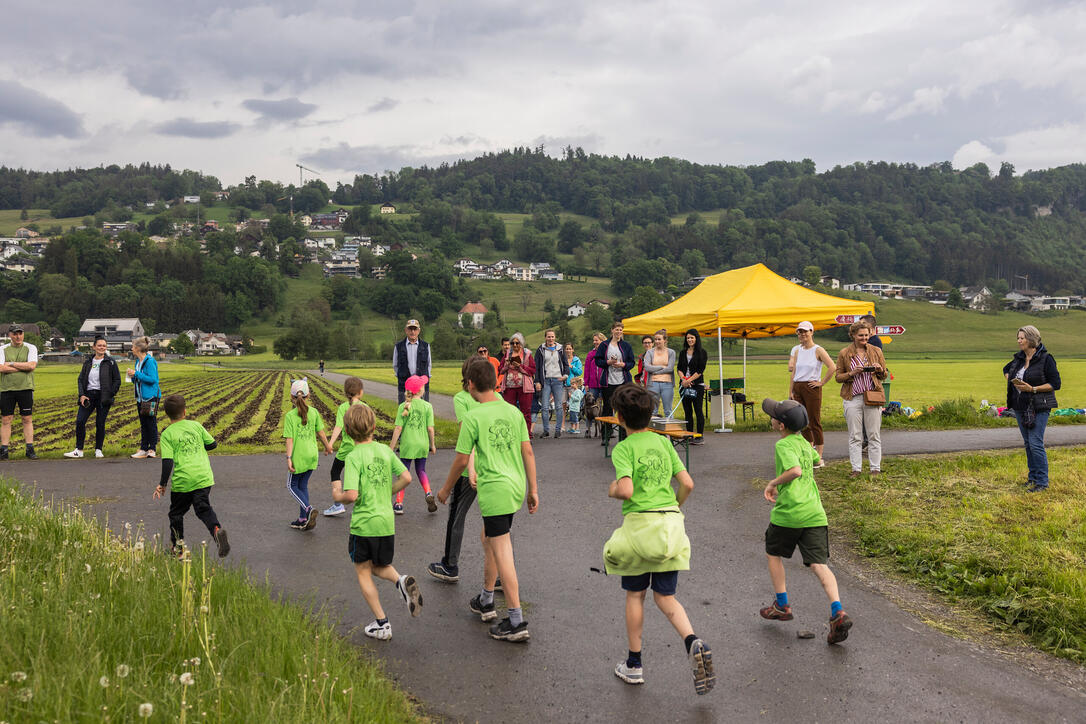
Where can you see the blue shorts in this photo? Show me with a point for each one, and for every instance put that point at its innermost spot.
(665, 583)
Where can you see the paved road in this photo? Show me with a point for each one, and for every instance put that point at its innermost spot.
(443, 404)
(893, 667)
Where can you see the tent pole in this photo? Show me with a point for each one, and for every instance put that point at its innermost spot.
(744, 363)
(720, 365)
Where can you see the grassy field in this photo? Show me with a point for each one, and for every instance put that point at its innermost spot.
(10, 221)
(709, 217)
(103, 627)
(963, 526)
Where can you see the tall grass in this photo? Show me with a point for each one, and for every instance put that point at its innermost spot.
(104, 627)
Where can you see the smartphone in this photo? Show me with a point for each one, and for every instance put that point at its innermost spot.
(870, 368)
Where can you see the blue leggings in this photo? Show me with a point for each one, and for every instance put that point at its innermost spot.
(298, 485)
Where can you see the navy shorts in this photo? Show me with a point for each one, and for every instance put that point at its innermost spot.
(665, 583)
(496, 525)
(377, 549)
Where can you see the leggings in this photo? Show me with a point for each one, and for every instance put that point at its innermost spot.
(100, 408)
(298, 485)
(521, 400)
(694, 408)
(420, 473)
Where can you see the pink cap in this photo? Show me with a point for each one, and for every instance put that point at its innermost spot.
(415, 383)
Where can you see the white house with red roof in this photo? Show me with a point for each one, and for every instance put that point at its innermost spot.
(477, 312)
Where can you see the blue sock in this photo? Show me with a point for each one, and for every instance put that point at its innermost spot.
(486, 597)
(515, 616)
(835, 608)
(782, 599)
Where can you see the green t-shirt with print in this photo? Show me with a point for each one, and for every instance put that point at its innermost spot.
(414, 436)
(463, 403)
(183, 442)
(304, 455)
(370, 469)
(495, 431)
(651, 462)
(346, 444)
(798, 502)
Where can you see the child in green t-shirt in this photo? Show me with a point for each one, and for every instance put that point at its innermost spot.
(301, 428)
(414, 430)
(352, 388)
(371, 474)
(505, 478)
(184, 447)
(798, 517)
(651, 547)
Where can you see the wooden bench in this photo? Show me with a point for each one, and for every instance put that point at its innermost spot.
(677, 437)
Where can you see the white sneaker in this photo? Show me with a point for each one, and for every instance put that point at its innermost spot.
(98, 454)
(77, 453)
(151, 454)
(411, 594)
(378, 631)
(139, 454)
(336, 509)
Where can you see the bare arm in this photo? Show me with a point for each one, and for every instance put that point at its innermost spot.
(343, 496)
(395, 436)
(528, 454)
(401, 482)
(786, 477)
(335, 435)
(791, 376)
(686, 486)
(825, 359)
(621, 489)
(433, 442)
(324, 439)
(290, 452)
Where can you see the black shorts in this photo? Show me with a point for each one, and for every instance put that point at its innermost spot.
(665, 583)
(337, 469)
(378, 549)
(496, 525)
(23, 398)
(814, 543)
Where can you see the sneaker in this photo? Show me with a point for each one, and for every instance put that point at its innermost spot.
(310, 519)
(504, 630)
(397, 508)
(498, 585)
(630, 674)
(409, 589)
(449, 574)
(775, 613)
(1036, 488)
(139, 454)
(99, 454)
(431, 503)
(222, 542)
(30, 454)
(3, 453)
(151, 454)
(335, 509)
(298, 523)
(557, 433)
(77, 453)
(876, 472)
(486, 612)
(698, 441)
(546, 433)
(839, 626)
(381, 631)
(701, 662)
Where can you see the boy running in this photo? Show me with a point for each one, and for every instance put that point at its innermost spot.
(798, 517)
(184, 447)
(504, 467)
(651, 547)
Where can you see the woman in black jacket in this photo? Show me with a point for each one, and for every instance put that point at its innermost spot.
(615, 359)
(98, 383)
(1032, 380)
(691, 367)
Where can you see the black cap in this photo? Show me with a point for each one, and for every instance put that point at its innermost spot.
(789, 413)
(15, 327)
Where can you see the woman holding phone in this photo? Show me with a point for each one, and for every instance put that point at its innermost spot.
(861, 368)
(97, 385)
(518, 385)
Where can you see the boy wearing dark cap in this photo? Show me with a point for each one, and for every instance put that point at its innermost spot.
(798, 517)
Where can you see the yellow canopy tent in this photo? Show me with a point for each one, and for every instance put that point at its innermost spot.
(750, 302)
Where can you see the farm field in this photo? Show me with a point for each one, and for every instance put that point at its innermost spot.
(10, 221)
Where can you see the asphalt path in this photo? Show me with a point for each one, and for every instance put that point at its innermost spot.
(892, 668)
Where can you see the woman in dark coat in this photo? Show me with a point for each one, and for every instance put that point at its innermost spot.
(691, 367)
(1032, 380)
(98, 383)
(614, 358)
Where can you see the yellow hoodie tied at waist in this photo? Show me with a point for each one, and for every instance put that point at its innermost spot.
(648, 542)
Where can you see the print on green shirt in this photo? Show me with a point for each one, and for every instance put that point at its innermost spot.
(371, 469)
(304, 455)
(414, 436)
(650, 462)
(799, 504)
(346, 444)
(495, 430)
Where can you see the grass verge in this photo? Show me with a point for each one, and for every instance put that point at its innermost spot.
(97, 627)
(963, 526)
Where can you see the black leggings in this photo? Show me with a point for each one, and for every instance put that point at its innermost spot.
(200, 501)
(100, 408)
(149, 429)
(695, 407)
(608, 410)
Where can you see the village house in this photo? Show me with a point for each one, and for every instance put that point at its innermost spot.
(602, 302)
(387, 208)
(828, 281)
(119, 332)
(190, 199)
(344, 268)
(477, 312)
(976, 297)
(576, 309)
(1045, 304)
(24, 233)
(19, 264)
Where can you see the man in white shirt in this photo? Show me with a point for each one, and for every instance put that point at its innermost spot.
(17, 363)
(411, 356)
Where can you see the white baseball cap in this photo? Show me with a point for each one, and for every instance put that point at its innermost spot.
(805, 325)
(300, 387)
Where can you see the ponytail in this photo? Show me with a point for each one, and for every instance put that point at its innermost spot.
(302, 406)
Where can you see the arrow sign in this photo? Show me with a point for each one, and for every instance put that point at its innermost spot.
(892, 329)
(845, 318)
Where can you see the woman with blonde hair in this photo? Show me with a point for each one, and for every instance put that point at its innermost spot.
(144, 378)
(860, 369)
(1032, 380)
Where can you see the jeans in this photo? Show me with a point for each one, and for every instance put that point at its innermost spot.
(859, 416)
(463, 495)
(553, 387)
(149, 429)
(1036, 457)
(665, 392)
(200, 501)
(298, 484)
(100, 408)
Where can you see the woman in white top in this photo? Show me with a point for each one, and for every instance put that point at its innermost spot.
(809, 368)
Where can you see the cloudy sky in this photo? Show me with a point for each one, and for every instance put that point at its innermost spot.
(233, 87)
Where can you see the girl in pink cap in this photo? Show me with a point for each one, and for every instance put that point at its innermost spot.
(414, 431)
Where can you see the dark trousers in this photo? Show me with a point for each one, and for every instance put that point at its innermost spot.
(608, 410)
(463, 495)
(400, 390)
(100, 408)
(198, 500)
(149, 429)
(694, 408)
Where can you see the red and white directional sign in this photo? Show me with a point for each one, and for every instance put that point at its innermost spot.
(892, 329)
(845, 318)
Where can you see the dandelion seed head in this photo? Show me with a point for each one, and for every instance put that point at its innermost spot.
(205, 610)
(187, 679)
(139, 545)
(18, 676)
(87, 567)
(103, 682)
(25, 694)
(122, 671)
(146, 710)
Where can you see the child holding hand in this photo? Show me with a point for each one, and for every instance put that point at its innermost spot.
(414, 431)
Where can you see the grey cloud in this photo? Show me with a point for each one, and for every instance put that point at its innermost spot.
(287, 109)
(157, 81)
(376, 159)
(191, 128)
(36, 112)
(385, 104)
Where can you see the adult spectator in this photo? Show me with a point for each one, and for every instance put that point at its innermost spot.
(691, 367)
(615, 359)
(659, 364)
(411, 356)
(98, 383)
(592, 373)
(861, 368)
(518, 384)
(875, 341)
(483, 352)
(806, 379)
(501, 355)
(551, 370)
(641, 378)
(576, 367)
(18, 360)
(1032, 381)
(144, 377)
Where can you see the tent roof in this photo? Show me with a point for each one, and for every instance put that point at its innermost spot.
(749, 302)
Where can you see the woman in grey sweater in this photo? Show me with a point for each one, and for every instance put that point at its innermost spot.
(659, 364)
